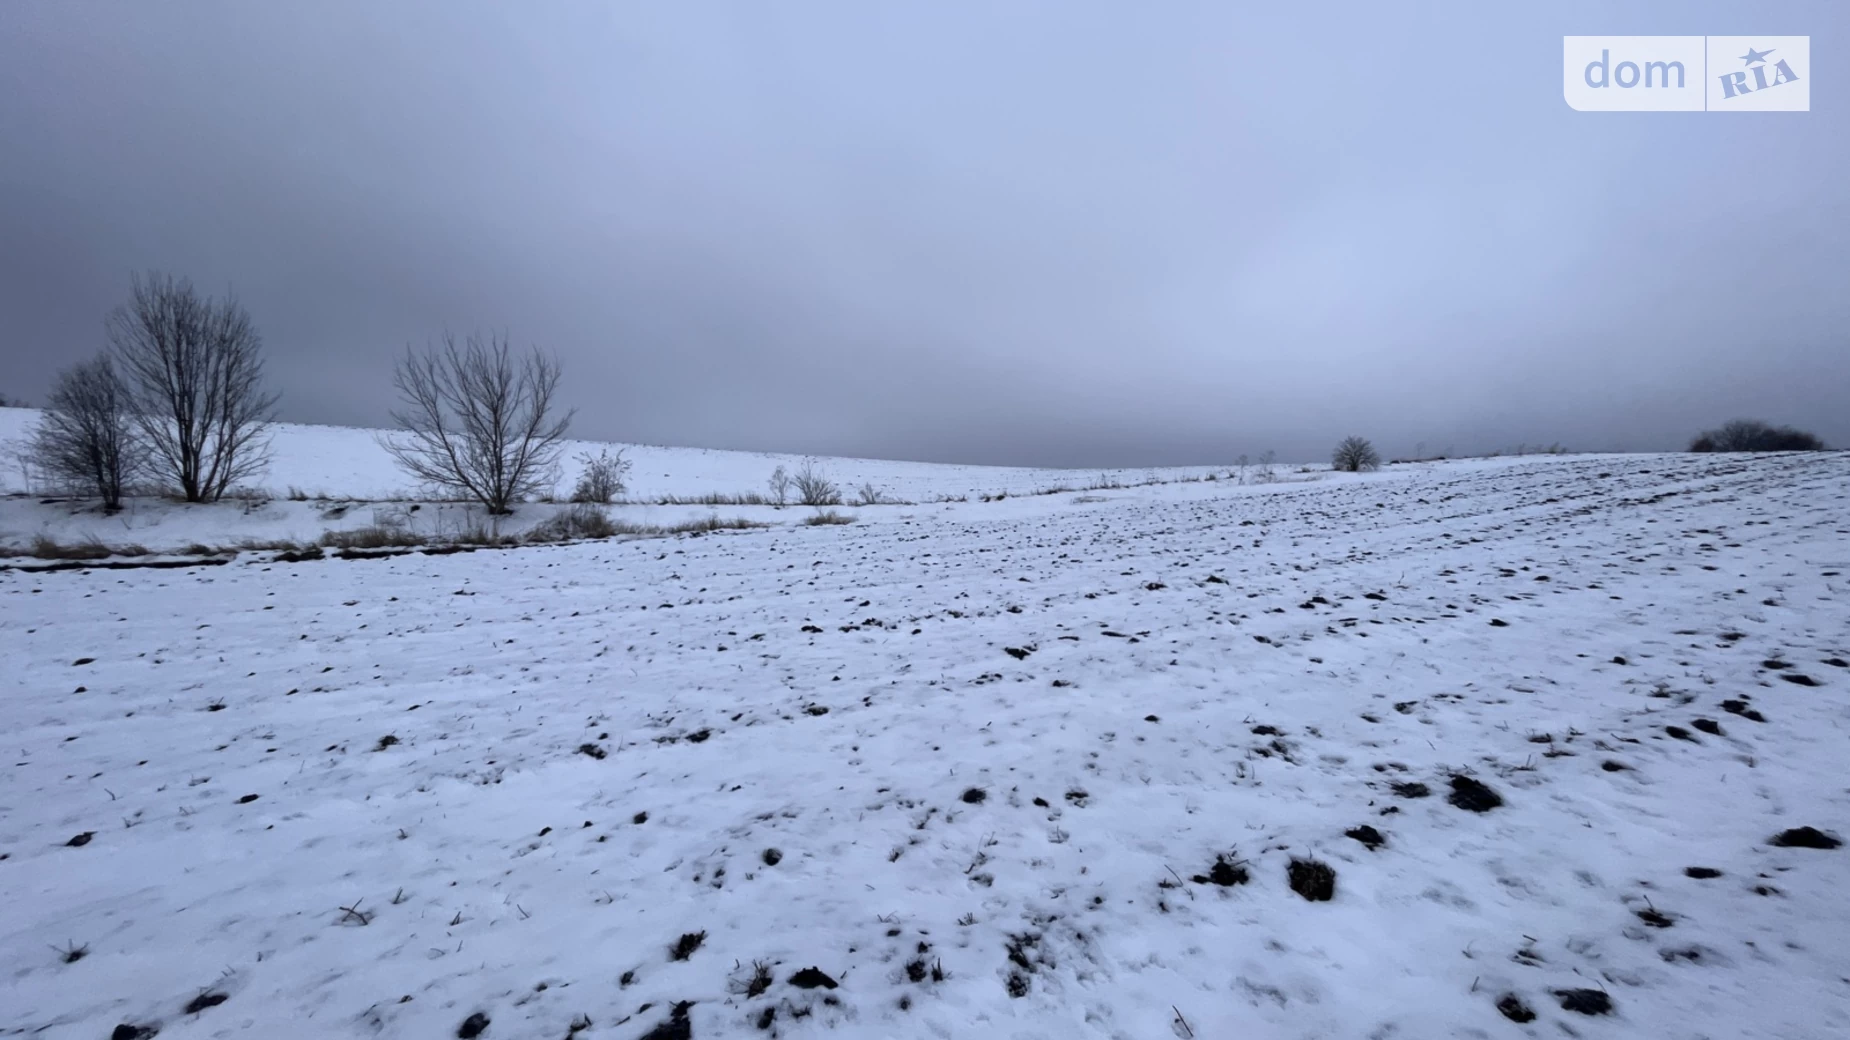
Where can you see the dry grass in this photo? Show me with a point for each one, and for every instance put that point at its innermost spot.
(827, 516)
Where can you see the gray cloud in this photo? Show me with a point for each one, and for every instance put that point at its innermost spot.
(1053, 233)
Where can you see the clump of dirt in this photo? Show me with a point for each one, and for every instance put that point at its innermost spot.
(1367, 836)
(1799, 679)
(811, 978)
(772, 857)
(473, 1026)
(1585, 1001)
(1611, 766)
(1472, 795)
(1681, 734)
(1804, 838)
(1313, 880)
(1411, 789)
(1514, 1009)
(975, 796)
(1655, 918)
(1739, 707)
(676, 1028)
(208, 999)
(685, 946)
(1701, 873)
(592, 750)
(127, 1031)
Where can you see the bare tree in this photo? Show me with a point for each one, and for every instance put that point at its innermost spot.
(477, 420)
(1266, 461)
(602, 478)
(780, 485)
(813, 488)
(1240, 465)
(194, 367)
(87, 435)
(1354, 455)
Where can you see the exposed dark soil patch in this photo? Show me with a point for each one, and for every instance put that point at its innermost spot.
(811, 978)
(592, 750)
(1799, 679)
(685, 946)
(1313, 880)
(1585, 1001)
(1411, 789)
(1709, 726)
(1739, 707)
(975, 796)
(676, 1028)
(208, 999)
(80, 840)
(1681, 734)
(473, 1026)
(772, 857)
(1804, 838)
(1655, 918)
(1514, 1009)
(125, 1031)
(1367, 835)
(1614, 767)
(1701, 873)
(1472, 795)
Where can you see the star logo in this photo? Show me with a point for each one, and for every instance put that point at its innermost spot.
(1754, 57)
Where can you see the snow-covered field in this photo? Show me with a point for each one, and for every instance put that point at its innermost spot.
(1035, 768)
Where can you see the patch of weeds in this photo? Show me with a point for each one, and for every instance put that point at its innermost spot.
(677, 1027)
(1226, 872)
(593, 751)
(385, 742)
(1411, 789)
(71, 953)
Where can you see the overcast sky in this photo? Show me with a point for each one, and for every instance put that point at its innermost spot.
(1048, 233)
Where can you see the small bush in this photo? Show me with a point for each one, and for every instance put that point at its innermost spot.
(868, 495)
(1754, 435)
(584, 520)
(602, 478)
(1354, 455)
(814, 488)
(827, 516)
(779, 485)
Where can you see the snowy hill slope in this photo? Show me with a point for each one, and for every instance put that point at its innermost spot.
(344, 462)
(1048, 772)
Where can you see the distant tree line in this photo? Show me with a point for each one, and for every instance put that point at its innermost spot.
(1754, 435)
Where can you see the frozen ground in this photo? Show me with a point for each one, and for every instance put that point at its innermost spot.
(983, 770)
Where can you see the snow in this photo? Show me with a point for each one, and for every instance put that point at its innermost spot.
(834, 694)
